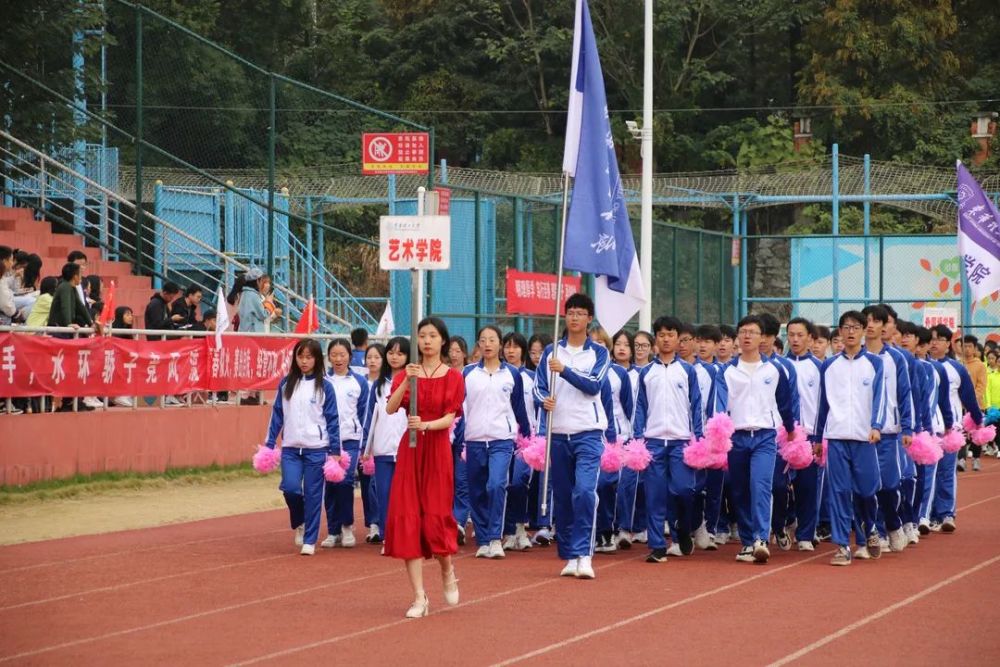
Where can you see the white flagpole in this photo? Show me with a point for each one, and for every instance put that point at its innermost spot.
(646, 224)
(416, 314)
(555, 343)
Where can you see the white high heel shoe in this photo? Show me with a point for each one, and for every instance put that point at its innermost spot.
(419, 609)
(450, 587)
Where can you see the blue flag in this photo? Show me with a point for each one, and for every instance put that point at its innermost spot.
(598, 232)
(978, 236)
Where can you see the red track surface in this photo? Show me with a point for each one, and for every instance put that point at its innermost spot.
(234, 590)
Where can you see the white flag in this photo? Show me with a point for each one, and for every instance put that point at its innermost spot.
(221, 317)
(386, 327)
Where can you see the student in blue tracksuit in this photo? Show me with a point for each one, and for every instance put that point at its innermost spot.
(781, 483)
(708, 503)
(374, 359)
(494, 415)
(304, 415)
(725, 527)
(384, 431)
(668, 414)
(574, 412)
(921, 422)
(753, 389)
(962, 394)
(808, 482)
(851, 417)
(518, 514)
(937, 401)
(898, 429)
(630, 510)
(352, 406)
(616, 391)
(458, 358)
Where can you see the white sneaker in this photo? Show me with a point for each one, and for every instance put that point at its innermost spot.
(543, 537)
(722, 539)
(745, 555)
(509, 543)
(883, 543)
(122, 402)
(373, 533)
(495, 550)
(347, 537)
(307, 550)
(674, 550)
(924, 527)
(521, 539)
(569, 570)
(584, 569)
(806, 545)
(640, 537)
(912, 535)
(948, 525)
(483, 551)
(172, 401)
(330, 542)
(760, 552)
(935, 526)
(92, 402)
(624, 539)
(300, 534)
(861, 553)
(703, 539)
(897, 540)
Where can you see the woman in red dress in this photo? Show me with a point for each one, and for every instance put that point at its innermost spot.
(420, 524)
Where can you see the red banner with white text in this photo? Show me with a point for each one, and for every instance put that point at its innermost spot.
(535, 293)
(102, 366)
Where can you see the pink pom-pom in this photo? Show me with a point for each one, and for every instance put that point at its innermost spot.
(952, 441)
(821, 459)
(698, 455)
(611, 458)
(332, 471)
(368, 465)
(464, 448)
(532, 451)
(984, 435)
(797, 451)
(635, 455)
(968, 423)
(266, 459)
(924, 449)
(719, 427)
(345, 460)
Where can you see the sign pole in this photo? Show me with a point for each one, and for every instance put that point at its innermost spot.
(555, 344)
(416, 306)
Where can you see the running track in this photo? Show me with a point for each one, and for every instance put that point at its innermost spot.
(233, 591)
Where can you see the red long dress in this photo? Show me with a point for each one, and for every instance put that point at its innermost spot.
(419, 522)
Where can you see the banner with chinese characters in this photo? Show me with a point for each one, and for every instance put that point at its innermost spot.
(535, 293)
(414, 242)
(102, 366)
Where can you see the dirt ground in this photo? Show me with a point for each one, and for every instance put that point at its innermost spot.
(152, 504)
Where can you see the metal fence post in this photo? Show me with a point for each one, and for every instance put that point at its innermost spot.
(673, 273)
(478, 234)
(697, 295)
(518, 247)
(138, 139)
(736, 269)
(867, 207)
(835, 208)
(270, 176)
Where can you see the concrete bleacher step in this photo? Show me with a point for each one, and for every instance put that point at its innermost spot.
(19, 229)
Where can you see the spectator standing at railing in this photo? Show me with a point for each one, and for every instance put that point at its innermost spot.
(39, 314)
(270, 305)
(79, 258)
(123, 322)
(69, 311)
(253, 316)
(158, 310)
(92, 287)
(187, 308)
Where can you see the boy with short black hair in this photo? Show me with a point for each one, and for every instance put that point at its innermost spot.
(575, 413)
(755, 392)
(668, 414)
(359, 339)
(727, 342)
(809, 480)
(851, 417)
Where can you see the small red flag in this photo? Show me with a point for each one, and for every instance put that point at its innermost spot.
(107, 315)
(309, 322)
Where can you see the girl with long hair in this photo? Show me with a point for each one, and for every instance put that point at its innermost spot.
(420, 524)
(374, 357)
(305, 415)
(352, 403)
(385, 431)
